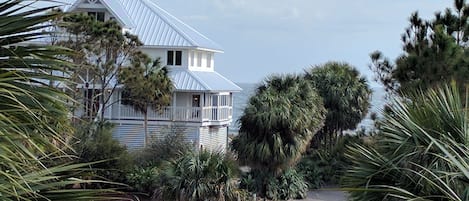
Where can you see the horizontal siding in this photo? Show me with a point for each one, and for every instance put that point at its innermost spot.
(213, 139)
(133, 135)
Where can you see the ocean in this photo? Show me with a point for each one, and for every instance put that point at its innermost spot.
(241, 99)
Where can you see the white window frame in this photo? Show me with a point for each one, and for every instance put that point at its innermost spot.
(199, 59)
(209, 60)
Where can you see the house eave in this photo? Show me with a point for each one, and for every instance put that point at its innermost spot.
(182, 48)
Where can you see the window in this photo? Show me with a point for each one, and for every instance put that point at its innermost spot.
(99, 16)
(209, 60)
(199, 59)
(174, 58)
(192, 57)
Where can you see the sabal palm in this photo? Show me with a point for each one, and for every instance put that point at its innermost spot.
(346, 95)
(421, 153)
(147, 86)
(34, 123)
(278, 123)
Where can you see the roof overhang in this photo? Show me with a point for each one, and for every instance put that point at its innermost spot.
(185, 80)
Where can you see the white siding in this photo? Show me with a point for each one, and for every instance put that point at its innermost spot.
(214, 138)
(132, 135)
(155, 53)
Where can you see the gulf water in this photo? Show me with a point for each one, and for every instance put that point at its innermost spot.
(241, 99)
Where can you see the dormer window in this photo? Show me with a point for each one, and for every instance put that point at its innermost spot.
(174, 58)
(99, 16)
(209, 60)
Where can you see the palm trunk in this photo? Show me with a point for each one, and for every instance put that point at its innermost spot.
(145, 127)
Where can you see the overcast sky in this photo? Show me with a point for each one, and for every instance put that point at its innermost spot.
(264, 37)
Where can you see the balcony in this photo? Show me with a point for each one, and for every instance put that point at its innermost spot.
(184, 114)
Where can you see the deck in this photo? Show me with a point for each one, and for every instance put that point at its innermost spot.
(183, 114)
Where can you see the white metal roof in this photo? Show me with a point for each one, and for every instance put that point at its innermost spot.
(114, 8)
(154, 26)
(186, 80)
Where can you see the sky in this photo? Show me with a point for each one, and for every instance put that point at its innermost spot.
(265, 37)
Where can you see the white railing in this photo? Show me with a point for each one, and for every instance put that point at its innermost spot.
(222, 113)
(192, 114)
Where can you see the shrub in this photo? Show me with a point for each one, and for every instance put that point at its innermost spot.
(94, 142)
(172, 146)
(322, 166)
(289, 185)
(200, 176)
(420, 153)
(143, 180)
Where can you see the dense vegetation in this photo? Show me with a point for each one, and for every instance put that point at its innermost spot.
(420, 151)
(34, 122)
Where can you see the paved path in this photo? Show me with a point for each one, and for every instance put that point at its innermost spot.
(326, 195)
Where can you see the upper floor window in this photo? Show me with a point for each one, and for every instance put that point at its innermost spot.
(209, 60)
(192, 58)
(174, 58)
(99, 16)
(199, 59)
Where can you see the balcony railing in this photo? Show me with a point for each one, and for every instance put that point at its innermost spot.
(190, 114)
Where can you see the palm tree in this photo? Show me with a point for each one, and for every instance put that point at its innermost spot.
(421, 152)
(346, 97)
(34, 122)
(146, 86)
(278, 123)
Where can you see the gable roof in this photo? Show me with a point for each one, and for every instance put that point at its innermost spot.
(189, 81)
(114, 8)
(154, 26)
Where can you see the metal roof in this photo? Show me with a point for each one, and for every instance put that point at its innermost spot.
(154, 26)
(186, 80)
(114, 8)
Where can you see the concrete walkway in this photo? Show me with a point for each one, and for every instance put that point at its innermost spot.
(326, 195)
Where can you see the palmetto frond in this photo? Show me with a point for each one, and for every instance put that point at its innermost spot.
(421, 152)
(34, 122)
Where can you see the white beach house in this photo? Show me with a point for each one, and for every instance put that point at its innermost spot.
(202, 105)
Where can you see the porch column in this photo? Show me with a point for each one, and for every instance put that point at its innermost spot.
(173, 108)
(119, 108)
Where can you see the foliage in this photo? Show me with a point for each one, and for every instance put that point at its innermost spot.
(435, 52)
(34, 124)
(421, 152)
(322, 166)
(346, 97)
(143, 179)
(146, 85)
(171, 147)
(200, 176)
(278, 124)
(101, 50)
(95, 143)
(288, 185)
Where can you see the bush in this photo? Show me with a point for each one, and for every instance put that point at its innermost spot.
(149, 162)
(289, 185)
(94, 142)
(321, 167)
(172, 146)
(200, 176)
(143, 180)
(420, 153)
